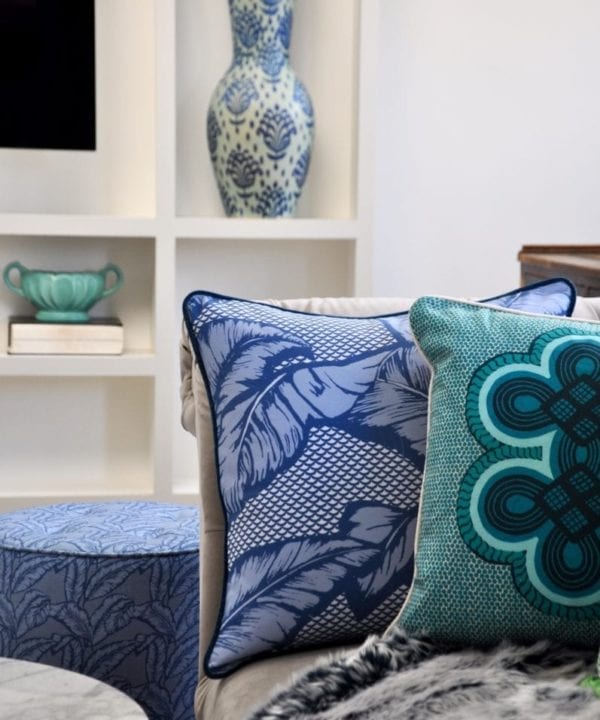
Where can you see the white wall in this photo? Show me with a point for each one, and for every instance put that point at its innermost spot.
(488, 137)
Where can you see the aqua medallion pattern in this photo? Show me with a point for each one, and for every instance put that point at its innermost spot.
(532, 500)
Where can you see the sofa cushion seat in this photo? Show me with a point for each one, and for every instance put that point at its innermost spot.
(235, 696)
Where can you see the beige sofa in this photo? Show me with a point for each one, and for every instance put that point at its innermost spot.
(233, 697)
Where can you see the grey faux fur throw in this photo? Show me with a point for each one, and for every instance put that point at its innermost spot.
(403, 678)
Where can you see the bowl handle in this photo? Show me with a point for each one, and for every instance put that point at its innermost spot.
(118, 273)
(6, 275)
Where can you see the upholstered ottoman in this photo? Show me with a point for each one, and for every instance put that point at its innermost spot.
(109, 590)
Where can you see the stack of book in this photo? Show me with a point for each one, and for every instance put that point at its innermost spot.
(99, 336)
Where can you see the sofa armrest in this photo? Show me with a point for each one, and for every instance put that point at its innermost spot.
(186, 388)
(587, 308)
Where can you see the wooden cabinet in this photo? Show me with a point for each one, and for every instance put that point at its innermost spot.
(579, 263)
(76, 428)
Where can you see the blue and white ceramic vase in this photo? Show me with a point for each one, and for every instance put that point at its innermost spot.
(260, 119)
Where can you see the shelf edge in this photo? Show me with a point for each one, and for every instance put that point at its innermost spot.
(127, 365)
(78, 225)
(265, 229)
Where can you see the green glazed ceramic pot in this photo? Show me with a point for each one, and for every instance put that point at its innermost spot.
(62, 296)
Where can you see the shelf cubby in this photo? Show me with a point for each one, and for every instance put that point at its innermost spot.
(132, 304)
(259, 268)
(75, 436)
(81, 427)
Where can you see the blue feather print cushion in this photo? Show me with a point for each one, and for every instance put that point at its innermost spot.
(320, 428)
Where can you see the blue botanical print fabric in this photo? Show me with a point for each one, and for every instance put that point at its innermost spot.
(109, 590)
(512, 476)
(320, 426)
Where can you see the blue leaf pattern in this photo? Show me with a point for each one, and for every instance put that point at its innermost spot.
(238, 356)
(6, 572)
(238, 97)
(127, 617)
(180, 697)
(31, 571)
(393, 530)
(114, 613)
(242, 168)
(179, 655)
(285, 29)
(115, 528)
(184, 578)
(267, 403)
(158, 653)
(31, 611)
(106, 577)
(273, 590)
(394, 410)
(160, 581)
(212, 133)
(185, 614)
(5, 639)
(247, 27)
(157, 617)
(33, 649)
(295, 397)
(8, 621)
(277, 128)
(75, 619)
(106, 659)
(301, 168)
(271, 60)
(72, 654)
(76, 578)
(302, 97)
(272, 202)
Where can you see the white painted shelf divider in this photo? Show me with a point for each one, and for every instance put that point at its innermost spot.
(77, 428)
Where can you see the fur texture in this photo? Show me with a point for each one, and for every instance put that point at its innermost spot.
(405, 678)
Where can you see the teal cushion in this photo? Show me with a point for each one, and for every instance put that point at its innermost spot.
(508, 536)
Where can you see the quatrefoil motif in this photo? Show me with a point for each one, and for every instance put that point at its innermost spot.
(532, 500)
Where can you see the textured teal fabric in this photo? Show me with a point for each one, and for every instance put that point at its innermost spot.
(508, 538)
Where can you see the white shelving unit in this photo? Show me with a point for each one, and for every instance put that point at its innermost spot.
(77, 428)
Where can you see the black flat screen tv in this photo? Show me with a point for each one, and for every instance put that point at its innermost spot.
(47, 74)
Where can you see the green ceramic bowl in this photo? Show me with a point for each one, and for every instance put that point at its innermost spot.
(62, 296)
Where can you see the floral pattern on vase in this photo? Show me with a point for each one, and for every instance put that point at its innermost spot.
(260, 120)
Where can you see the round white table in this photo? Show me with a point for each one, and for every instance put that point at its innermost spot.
(32, 691)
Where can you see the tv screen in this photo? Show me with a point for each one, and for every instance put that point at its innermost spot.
(47, 74)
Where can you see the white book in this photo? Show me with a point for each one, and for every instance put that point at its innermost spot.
(99, 336)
